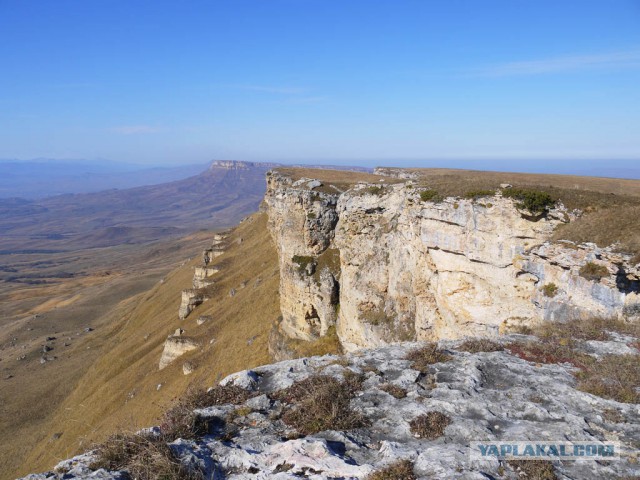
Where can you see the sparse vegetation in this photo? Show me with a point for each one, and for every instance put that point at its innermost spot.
(426, 356)
(593, 271)
(375, 190)
(302, 261)
(329, 259)
(480, 345)
(593, 328)
(144, 457)
(402, 470)
(550, 351)
(376, 317)
(181, 422)
(326, 344)
(549, 290)
(474, 194)
(430, 425)
(320, 403)
(535, 201)
(428, 195)
(311, 215)
(147, 456)
(394, 390)
(616, 377)
(533, 469)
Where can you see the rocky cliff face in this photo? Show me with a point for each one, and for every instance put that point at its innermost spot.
(382, 265)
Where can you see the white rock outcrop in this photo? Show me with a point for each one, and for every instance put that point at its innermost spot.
(411, 269)
(191, 298)
(174, 347)
(488, 397)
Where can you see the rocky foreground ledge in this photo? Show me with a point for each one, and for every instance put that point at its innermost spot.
(399, 406)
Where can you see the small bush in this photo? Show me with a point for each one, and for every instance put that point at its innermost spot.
(425, 356)
(480, 345)
(430, 425)
(376, 317)
(394, 390)
(180, 421)
(550, 290)
(311, 215)
(631, 310)
(533, 469)
(143, 457)
(427, 195)
(375, 190)
(474, 194)
(593, 271)
(402, 470)
(535, 201)
(321, 403)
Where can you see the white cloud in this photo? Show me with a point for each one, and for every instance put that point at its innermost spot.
(609, 61)
(134, 129)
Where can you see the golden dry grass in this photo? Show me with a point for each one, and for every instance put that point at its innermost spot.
(401, 470)
(122, 385)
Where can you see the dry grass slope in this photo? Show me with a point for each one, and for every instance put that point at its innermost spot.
(123, 384)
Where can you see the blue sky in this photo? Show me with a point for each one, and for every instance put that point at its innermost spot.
(341, 81)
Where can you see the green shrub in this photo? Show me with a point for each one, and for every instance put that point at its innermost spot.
(303, 261)
(376, 318)
(535, 201)
(593, 271)
(473, 194)
(550, 290)
(428, 195)
(376, 190)
(311, 215)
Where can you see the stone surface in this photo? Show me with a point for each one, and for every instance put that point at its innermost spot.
(488, 397)
(190, 300)
(201, 276)
(175, 347)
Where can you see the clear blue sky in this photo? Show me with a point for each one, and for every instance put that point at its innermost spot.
(375, 81)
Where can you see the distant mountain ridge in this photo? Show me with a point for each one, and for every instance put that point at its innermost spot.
(218, 196)
(43, 178)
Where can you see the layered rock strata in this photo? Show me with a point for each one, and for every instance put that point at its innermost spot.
(382, 265)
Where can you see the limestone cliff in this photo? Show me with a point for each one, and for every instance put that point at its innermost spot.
(382, 264)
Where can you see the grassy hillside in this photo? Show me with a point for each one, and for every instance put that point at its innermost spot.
(120, 390)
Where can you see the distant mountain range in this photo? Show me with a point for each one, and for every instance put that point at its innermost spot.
(42, 178)
(216, 197)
